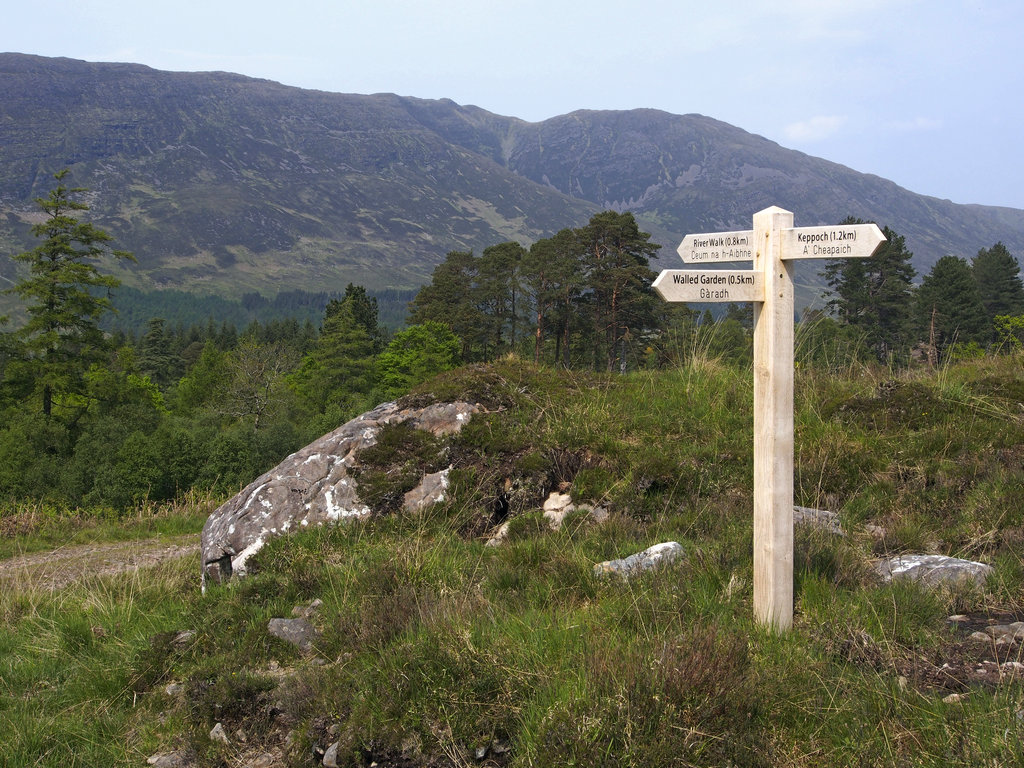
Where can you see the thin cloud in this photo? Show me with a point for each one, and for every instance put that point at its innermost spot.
(916, 125)
(817, 128)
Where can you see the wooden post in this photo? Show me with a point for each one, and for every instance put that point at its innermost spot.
(769, 285)
(773, 424)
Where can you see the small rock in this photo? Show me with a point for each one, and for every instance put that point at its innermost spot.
(480, 753)
(263, 760)
(953, 698)
(659, 554)
(167, 760)
(934, 570)
(1012, 667)
(183, 638)
(298, 632)
(331, 756)
(958, 618)
(499, 536)
(821, 519)
(901, 681)
(307, 611)
(174, 689)
(219, 735)
(557, 506)
(980, 637)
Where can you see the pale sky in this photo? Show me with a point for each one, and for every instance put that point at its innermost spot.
(927, 93)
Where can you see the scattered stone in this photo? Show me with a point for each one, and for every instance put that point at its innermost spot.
(819, 519)
(481, 752)
(168, 760)
(499, 536)
(954, 698)
(183, 638)
(298, 632)
(1013, 668)
(430, 491)
(311, 487)
(307, 611)
(659, 554)
(556, 507)
(331, 756)
(874, 531)
(980, 637)
(174, 689)
(1006, 633)
(263, 760)
(219, 735)
(934, 570)
(958, 618)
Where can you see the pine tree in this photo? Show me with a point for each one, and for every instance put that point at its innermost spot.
(997, 275)
(66, 295)
(617, 259)
(874, 295)
(948, 305)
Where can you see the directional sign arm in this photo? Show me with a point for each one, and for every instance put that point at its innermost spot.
(709, 285)
(843, 241)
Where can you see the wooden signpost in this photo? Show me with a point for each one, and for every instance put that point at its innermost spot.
(771, 245)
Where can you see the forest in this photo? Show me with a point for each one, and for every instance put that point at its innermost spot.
(106, 419)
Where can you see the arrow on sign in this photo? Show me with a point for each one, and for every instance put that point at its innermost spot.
(700, 285)
(843, 241)
(717, 246)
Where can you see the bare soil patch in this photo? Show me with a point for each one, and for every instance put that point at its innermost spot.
(57, 568)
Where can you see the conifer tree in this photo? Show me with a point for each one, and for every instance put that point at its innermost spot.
(874, 295)
(948, 305)
(65, 296)
(997, 275)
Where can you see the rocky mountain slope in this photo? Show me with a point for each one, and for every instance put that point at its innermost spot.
(224, 184)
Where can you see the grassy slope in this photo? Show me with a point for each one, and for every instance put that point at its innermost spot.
(436, 645)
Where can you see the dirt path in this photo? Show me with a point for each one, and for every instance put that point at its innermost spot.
(55, 569)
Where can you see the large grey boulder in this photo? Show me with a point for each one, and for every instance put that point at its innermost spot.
(311, 487)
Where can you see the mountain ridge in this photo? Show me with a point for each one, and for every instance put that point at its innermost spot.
(221, 183)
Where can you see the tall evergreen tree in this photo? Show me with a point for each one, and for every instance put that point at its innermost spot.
(997, 275)
(65, 296)
(552, 274)
(498, 290)
(874, 295)
(155, 358)
(451, 298)
(618, 275)
(948, 305)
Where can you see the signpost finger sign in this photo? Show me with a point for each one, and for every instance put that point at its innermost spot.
(770, 245)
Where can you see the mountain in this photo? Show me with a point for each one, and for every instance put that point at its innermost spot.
(225, 184)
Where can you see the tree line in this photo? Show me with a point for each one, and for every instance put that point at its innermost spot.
(89, 417)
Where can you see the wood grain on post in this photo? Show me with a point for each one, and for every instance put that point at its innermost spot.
(773, 425)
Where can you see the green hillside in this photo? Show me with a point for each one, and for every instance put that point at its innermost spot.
(436, 650)
(226, 185)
